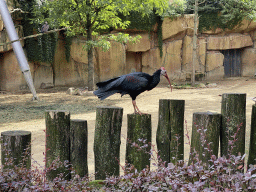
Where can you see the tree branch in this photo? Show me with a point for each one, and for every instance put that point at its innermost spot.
(32, 36)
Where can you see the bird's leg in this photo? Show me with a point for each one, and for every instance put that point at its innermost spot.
(136, 109)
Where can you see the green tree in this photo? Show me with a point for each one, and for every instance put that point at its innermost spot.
(224, 14)
(94, 19)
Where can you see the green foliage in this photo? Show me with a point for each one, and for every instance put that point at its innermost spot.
(224, 14)
(68, 42)
(176, 8)
(83, 17)
(41, 48)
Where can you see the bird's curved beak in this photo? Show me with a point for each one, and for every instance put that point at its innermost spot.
(166, 76)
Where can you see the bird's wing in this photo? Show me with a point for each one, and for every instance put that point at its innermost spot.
(134, 82)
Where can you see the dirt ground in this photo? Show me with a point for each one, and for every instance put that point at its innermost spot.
(18, 112)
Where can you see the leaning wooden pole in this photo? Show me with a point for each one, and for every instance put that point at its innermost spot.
(16, 148)
(107, 141)
(170, 131)
(252, 148)
(138, 140)
(233, 110)
(78, 146)
(57, 143)
(205, 136)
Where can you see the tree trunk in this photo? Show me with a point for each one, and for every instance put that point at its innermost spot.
(194, 54)
(90, 49)
(107, 141)
(138, 134)
(233, 110)
(57, 142)
(78, 146)
(252, 149)
(170, 131)
(205, 136)
(16, 147)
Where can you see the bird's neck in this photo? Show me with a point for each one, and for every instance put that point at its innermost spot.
(155, 79)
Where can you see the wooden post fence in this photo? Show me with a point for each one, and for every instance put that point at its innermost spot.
(78, 146)
(138, 130)
(252, 147)
(16, 148)
(170, 131)
(107, 141)
(233, 110)
(205, 136)
(57, 143)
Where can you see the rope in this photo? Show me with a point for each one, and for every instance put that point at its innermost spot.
(32, 36)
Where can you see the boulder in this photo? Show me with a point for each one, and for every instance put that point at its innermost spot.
(4, 38)
(254, 35)
(77, 50)
(142, 45)
(171, 27)
(1, 24)
(187, 50)
(232, 41)
(248, 59)
(111, 63)
(211, 85)
(214, 59)
(202, 43)
(171, 58)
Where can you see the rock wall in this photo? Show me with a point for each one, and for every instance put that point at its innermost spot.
(143, 56)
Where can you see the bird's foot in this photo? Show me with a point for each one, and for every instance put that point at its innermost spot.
(138, 112)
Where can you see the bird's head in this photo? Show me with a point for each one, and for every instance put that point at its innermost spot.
(164, 73)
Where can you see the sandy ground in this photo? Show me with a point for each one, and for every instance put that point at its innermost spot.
(19, 113)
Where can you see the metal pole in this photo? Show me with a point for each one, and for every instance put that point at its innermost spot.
(17, 48)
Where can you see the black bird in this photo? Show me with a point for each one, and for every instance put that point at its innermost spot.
(132, 84)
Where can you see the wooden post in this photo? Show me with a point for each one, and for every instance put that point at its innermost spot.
(57, 142)
(233, 110)
(205, 136)
(107, 141)
(16, 147)
(252, 148)
(138, 128)
(170, 131)
(78, 146)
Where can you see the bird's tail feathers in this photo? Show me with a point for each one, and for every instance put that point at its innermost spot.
(104, 94)
(104, 83)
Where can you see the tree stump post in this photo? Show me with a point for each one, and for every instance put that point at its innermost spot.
(205, 136)
(138, 134)
(233, 110)
(170, 131)
(16, 148)
(252, 148)
(78, 146)
(107, 141)
(57, 143)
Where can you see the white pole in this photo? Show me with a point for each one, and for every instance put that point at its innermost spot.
(17, 48)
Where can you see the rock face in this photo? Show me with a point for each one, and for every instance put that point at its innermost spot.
(141, 46)
(214, 59)
(231, 41)
(249, 62)
(172, 27)
(4, 38)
